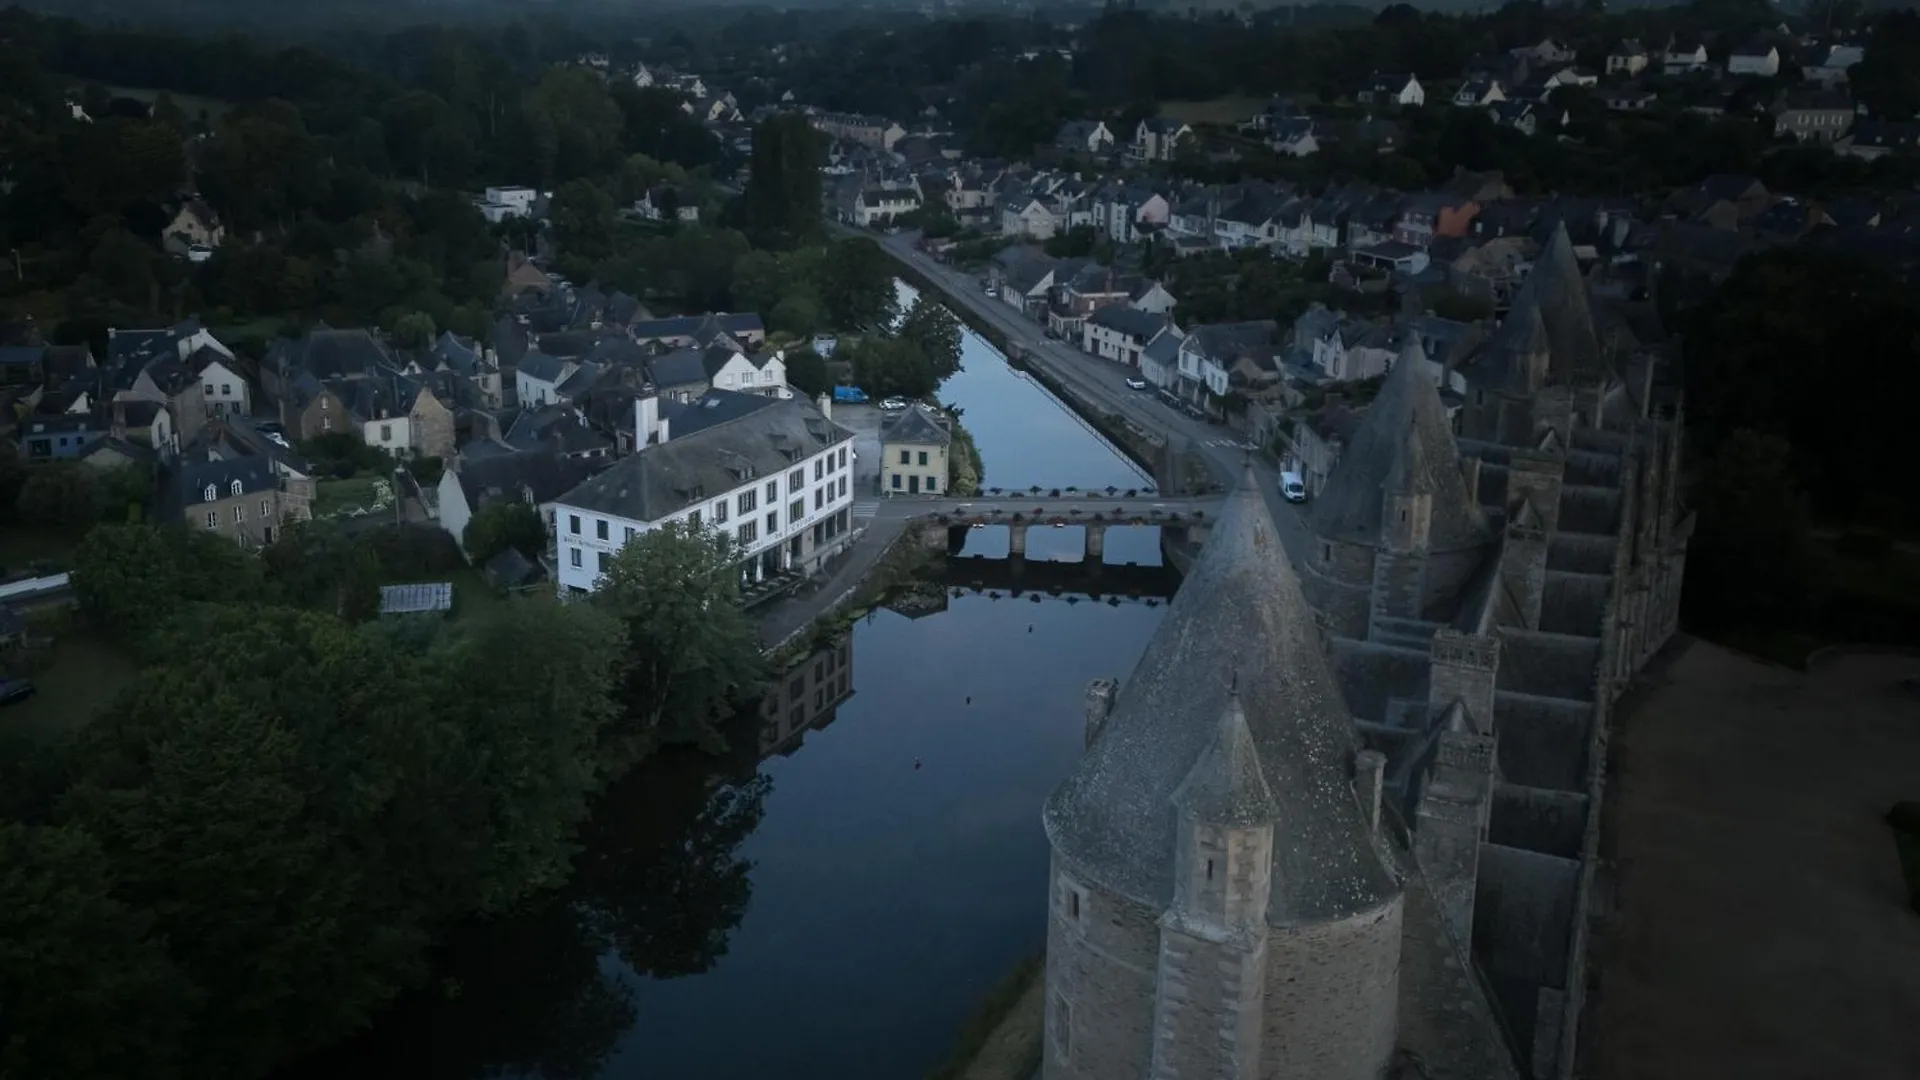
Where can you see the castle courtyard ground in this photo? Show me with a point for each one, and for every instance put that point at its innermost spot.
(1759, 924)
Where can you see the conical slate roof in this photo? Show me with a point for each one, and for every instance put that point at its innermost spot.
(1409, 475)
(1558, 293)
(1238, 625)
(1502, 365)
(1227, 786)
(1405, 429)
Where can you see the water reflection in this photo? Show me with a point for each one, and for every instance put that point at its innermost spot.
(817, 886)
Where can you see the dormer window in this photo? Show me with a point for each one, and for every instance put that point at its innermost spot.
(235, 487)
(212, 493)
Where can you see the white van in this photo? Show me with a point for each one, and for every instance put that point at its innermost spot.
(1293, 487)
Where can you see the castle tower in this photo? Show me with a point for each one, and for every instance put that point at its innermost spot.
(1407, 513)
(1401, 461)
(1212, 971)
(1229, 744)
(1456, 806)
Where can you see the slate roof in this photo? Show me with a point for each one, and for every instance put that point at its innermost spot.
(492, 477)
(694, 326)
(542, 366)
(1238, 626)
(192, 477)
(916, 426)
(330, 353)
(1556, 288)
(1405, 420)
(716, 444)
(682, 367)
(1136, 324)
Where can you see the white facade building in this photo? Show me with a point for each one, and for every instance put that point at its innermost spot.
(775, 474)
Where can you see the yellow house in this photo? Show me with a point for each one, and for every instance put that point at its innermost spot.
(913, 453)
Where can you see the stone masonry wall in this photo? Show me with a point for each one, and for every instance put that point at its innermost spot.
(1332, 998)
(1101, 967)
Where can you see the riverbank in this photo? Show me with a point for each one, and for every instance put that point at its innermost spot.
(1001, 1040)
(886, 557)
(1146, 449)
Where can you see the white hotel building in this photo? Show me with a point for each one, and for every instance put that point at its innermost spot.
(775, 473)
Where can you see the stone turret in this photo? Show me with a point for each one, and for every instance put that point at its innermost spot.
(1229, 749)
(1407, 512)
(1212, 970)
(1451, 821)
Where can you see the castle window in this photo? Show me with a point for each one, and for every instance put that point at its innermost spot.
(1060, 1027)
(212, 493)
(1209, 869)
(235, 488)
(1326, 552)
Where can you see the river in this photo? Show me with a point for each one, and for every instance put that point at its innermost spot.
(834, 896)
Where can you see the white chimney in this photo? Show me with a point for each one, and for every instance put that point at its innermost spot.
(825, 402)
(648, 427)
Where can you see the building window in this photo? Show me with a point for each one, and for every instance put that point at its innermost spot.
(326, 423)
(573, 556)
(226, 389)
(896, 481)
(843, 457)
(211, 493)
(796, 510)
(386, 433)
(693, 518)
(213, 519)
(600, 529)
(573, 524)
(209, 390)
(1326, 553)
(773, 523)
(819, 468)
(773, 492)
(933, 483)
(266, 509)
(239, 513)
(906, 458)
(631, 533)
(748, 500)
(235, 488)
(1060, 1028)
(600, 561)
(749, 532)
(843, 487)
(923, 457)
(820, 494)
(796, 479)
(720, 512)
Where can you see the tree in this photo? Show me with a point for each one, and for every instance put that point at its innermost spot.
(936, 333)
(415, 330)
(799, 314)
(1887, 78)
(781, 203)
(90, 992)
(855, 285)
(500, 525)
(319, 565)
(583, 218)
(62, 495)
(807, 373)
(759, 281)
(1751, 558)
(1077, 242)
(127, 578)
(695, 652)
(889, 367)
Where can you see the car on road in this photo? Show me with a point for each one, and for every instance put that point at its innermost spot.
(893, 404)
(15, 691)
(1136, 384)
(1293, 487)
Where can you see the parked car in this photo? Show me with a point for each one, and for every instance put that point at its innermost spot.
(1293, 487)
(1136, 384)
(15, 691)
(894, 404)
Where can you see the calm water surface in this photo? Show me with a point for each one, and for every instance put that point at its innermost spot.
(833, 897)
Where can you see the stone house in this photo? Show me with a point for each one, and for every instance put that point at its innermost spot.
(1120, 333)
(1157, 138)
(224, 387)
(1319, 438)
(1392, 88)
(1479, 93)
(239, 499)
(1756, 58)
(169, 381)
(882, 206)
(1681, 57)
(1030, 217)
(913, 452)
(700, 331)
(1823, 116)
(1628, 58)
(194, 225)
(535, 477)
(1084, 136)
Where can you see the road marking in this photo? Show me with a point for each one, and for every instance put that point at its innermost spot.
(865, 510)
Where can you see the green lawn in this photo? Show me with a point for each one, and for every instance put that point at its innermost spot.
(192, 105)
(86, 671)
(335, 498)
(1226, 111)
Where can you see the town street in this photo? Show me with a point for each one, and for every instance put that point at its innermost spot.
(1104, 382)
